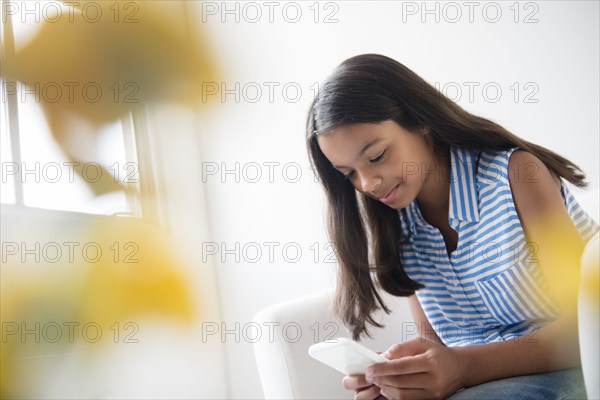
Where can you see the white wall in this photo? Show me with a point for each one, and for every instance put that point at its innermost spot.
(556, 55)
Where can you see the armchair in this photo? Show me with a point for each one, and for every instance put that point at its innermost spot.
(288, 372)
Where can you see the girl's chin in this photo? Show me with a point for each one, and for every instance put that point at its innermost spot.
(400, 201)
(397, 205)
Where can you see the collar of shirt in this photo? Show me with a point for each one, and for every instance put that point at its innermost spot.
(463, 200)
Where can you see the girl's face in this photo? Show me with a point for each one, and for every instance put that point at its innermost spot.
(382, 160)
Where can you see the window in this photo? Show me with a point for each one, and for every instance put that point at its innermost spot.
(35, 171)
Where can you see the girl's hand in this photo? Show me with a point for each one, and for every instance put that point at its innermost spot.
(418, 369)
(363, 390)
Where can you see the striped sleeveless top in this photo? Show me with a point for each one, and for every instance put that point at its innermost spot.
(486, 290)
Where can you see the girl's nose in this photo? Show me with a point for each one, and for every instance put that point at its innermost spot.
(369, 183)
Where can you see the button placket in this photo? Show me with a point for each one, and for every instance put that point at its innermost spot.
(438, 256)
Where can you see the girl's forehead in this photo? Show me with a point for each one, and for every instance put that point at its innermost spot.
(362, 132)
(348, 137)
(353, 131)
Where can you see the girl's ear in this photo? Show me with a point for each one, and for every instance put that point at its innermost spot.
(425, 131)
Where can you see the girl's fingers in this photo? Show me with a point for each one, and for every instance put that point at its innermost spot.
(404, 394)
(410, 348)
(369, 393)
(400, 366)
(355, 382)
(410, 381)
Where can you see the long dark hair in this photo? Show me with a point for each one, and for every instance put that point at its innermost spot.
(366, 233)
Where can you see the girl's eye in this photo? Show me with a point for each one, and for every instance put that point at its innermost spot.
(348, 175)
(379, 157)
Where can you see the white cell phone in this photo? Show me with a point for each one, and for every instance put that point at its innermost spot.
(345, 355)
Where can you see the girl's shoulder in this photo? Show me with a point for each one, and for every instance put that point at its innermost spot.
(526, 167)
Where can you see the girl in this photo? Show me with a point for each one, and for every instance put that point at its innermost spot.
(471, 222)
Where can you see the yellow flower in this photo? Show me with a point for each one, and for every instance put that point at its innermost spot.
(137, 274)
(121, 271)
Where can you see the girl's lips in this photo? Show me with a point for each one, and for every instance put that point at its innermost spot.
(390, 195)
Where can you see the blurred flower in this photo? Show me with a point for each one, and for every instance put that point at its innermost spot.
(557, 246)
(139, 275)
(133, 276)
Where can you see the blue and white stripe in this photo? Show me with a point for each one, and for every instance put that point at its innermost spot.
(488, 289)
